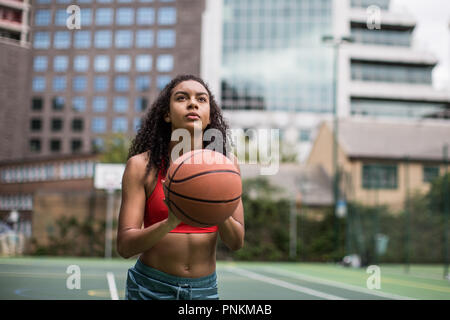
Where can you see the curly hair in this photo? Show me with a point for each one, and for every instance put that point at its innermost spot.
(154, 135)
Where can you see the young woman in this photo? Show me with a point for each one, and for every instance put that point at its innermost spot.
(176, 261)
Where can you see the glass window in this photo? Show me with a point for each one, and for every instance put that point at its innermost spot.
(167, 16)
(164, 63)
(42, 17)
(81, 63)
(143, 83)
(99, 104)
(60, 63)
(120, 104)
(121, 83)
(430, 173)
(304, 135)
(38, 84)
(98, 125)
(101, 63)
(101, 83)
(79, 104)
(122, 63)
(37, 104)
(143, 62)
(144, 38)
(36, 124)
(145, 16)
(166, 38)
(35, 145)
(79, 83)
(40, 63)
(98, 144)
(61, 40)
(41, 40)
(86, 16)
(58, 104)
(140, 104)
(125, 16)
(124, 39)
(77, 125)
(102, 39)
(59, 83)
(55, 145)
(136, 124)
(76, 145)
(103, 16)
(162, 81)
(379, 176)
(61, 17)
(56, 124)
(120, 124)
(82, 39)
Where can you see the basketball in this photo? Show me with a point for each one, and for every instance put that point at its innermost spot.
(203, 188)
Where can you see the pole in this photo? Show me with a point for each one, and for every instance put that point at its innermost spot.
(446, 211)
(109, 218)
(407, 216)
(335, 146)
(293, 229)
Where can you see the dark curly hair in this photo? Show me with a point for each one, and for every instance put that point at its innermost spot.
(154, 134)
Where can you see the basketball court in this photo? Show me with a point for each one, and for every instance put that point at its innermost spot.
(47, 278)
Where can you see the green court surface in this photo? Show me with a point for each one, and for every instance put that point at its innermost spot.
(47, 278)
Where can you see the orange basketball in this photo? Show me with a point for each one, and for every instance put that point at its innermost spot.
(203, 187)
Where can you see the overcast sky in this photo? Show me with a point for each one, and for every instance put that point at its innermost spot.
(432, 33)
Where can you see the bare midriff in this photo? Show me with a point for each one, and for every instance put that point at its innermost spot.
(188, 255)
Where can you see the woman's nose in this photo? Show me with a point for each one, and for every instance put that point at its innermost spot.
(193, 103)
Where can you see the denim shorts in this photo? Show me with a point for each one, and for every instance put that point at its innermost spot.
(146, 283)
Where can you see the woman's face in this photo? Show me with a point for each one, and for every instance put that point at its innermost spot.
(189, 97)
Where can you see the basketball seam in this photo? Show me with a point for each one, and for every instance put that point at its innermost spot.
(203, 173)
(189, 217)
(204, 200)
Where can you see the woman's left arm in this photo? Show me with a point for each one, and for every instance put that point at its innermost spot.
(232, 230)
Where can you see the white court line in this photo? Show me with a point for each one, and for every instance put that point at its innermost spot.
(112, 286)
(280, 283)
(336, 284)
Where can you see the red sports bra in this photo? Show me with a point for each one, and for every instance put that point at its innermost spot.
(156, 210)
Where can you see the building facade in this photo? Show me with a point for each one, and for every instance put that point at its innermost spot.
(378, 163)
(278, 73)
(14, 73)
(89, 82)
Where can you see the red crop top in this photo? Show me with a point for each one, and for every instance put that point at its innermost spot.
(156, 210)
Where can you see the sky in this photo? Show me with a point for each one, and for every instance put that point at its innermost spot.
(432, 33)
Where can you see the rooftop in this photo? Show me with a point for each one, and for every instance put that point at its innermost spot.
(369, 138)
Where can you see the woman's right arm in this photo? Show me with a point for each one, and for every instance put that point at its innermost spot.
(132, 239)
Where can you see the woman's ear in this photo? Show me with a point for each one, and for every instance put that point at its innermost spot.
(167, 118)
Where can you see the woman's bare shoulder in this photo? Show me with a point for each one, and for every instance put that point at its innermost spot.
(137, 164)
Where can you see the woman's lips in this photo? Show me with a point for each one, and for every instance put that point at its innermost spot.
(192, 117)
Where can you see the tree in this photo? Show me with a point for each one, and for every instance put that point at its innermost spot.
(115, 149)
